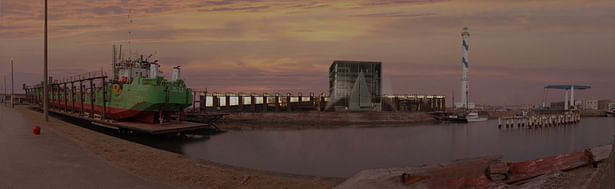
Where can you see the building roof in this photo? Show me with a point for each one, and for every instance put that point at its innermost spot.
(567, 87)
(354, 61)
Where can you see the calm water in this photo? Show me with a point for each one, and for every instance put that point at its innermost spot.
(345, 151)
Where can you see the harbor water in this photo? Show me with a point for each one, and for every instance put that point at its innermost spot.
(343, 152)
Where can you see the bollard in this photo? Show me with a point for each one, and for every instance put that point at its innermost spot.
(36, 130)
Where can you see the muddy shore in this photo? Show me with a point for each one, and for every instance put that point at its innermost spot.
(175, 169)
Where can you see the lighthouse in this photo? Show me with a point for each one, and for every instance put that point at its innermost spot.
(465, 87)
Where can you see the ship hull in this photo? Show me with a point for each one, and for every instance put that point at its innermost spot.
(145, 100)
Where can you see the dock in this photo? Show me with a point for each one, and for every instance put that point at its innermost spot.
(173, 126)
(541, 120)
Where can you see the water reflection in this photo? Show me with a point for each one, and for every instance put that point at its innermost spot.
(342, 152)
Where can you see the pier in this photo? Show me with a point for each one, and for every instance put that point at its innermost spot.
(540, 120)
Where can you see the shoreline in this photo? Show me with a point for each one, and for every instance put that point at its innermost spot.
(181, 171)
(175, 169)
(321, 120)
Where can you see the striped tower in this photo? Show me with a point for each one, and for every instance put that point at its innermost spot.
(465, 89)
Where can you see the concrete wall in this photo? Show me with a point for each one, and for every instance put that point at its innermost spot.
(605, 176)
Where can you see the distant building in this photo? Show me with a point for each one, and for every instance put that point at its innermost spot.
(590, 104)
(355, 86)
(612, 106)
(604, 104)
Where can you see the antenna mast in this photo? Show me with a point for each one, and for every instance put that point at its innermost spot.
(129, 32)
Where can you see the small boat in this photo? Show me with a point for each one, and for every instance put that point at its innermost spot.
(473, 117)
(449, 117)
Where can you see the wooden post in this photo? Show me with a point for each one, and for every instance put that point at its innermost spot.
(72, 96)
(104, 98)
(91, 98)
(81, 97)
(65, 98)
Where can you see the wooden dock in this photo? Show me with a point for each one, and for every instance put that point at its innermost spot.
(541, 120)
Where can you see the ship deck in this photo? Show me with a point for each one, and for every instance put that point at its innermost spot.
(173, 126)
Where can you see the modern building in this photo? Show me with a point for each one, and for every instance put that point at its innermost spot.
(590, 104)
(414, 102)
(355, 86)
(604, 104)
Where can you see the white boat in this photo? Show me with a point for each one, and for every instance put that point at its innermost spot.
(473, 117)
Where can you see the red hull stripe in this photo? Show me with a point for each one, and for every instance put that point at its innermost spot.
(111, 112)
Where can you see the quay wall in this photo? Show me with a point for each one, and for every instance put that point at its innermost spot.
(316, 117)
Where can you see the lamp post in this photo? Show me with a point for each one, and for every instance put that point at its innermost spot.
(45, 82)
(4, 94)
(12, 88)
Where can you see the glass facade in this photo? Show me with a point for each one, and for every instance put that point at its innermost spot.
(355, 85)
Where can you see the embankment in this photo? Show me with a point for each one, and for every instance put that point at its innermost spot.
(176, 169)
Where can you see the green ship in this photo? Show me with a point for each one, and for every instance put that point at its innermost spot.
(137, 91)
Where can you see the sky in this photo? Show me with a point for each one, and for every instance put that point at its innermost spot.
(516, 46)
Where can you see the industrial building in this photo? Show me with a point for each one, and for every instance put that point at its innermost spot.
(355, 86)
(414, 103)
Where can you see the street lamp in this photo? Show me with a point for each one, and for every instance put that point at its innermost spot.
(45, 82)
(12, 88)
(4, 85)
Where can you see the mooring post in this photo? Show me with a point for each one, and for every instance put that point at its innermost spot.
(499, 122)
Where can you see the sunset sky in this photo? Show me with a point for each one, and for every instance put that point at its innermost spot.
(516, 46)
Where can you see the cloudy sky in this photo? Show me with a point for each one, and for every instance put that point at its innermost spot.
(516, 46)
